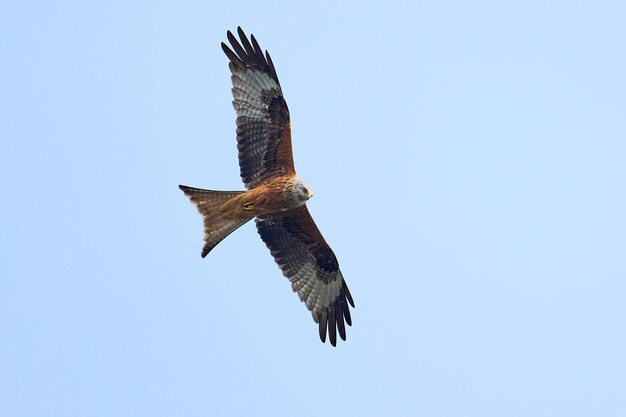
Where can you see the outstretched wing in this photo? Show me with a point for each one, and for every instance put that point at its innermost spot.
(310, 264)
(263, 128)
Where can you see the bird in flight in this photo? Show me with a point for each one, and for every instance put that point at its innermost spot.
(275, 197)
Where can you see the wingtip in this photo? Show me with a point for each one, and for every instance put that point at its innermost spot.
(231, 37)
(226, 50)
(332, 328)
(341, 327)
(322, 328)
(346, 292)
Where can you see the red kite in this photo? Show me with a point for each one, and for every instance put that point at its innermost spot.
(275, 196)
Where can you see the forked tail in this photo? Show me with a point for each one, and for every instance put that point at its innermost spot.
(217, 225)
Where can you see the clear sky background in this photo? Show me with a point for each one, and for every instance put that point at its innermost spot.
(469, 167)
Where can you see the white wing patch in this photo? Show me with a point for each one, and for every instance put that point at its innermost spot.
(315, 294)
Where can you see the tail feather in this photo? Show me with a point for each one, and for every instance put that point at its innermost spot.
(217, 225)
(208, 201)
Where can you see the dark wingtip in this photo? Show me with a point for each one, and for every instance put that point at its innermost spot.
(232, 57)
(347, 293)
(332, 327)
(240, 32)
(322, 328)
(346, 315)
(248, 55)
(206, 249)
(341, 327)
(333, 319)
(270, 64)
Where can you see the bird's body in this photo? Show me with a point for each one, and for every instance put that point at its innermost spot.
(275, 196)
(269, 197)
(272, 196)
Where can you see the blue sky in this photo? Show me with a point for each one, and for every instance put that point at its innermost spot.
(468, 162)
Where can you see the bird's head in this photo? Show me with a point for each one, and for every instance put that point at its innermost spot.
(298, 192)
(304, 191)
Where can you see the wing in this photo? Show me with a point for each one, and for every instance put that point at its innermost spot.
(263, 127)
(310, 264)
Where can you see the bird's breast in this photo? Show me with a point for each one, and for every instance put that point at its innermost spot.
(268, 198)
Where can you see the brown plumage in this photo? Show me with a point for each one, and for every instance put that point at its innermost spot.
(275, 196)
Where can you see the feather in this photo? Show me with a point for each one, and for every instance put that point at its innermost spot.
(310, 264)
(263, 122)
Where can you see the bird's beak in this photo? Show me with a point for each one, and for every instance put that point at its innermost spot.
(309, 195)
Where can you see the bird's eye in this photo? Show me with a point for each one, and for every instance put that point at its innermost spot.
(306, 190)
